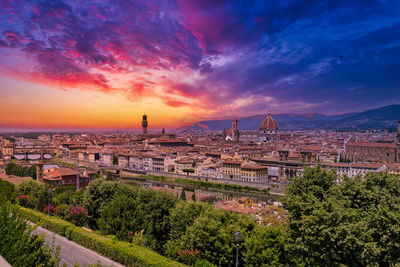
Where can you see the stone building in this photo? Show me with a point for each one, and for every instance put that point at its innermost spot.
(144, 124)
(371, 152)
(269, 126)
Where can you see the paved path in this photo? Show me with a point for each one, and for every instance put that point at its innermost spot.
(72, 253)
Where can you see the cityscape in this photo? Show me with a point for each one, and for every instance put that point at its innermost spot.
(199, 133)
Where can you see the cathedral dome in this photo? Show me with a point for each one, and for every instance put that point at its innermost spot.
(269, 124)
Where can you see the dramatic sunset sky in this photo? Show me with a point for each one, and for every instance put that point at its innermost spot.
(103, 63)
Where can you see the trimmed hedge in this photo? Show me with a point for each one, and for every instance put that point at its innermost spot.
(119, 251)
(122, 252)
(30, 215)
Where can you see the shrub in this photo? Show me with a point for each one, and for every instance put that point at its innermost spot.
(77, 215)
(23, 200)
(122, 252)
(62, 210)
(55, 225)
(17, 245)
(50, 209)
(189, 256)
(7, 191)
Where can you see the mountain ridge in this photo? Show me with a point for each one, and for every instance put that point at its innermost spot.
(385, 117)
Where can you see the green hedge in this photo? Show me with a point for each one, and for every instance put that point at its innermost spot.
(30, 215)
(122, 252)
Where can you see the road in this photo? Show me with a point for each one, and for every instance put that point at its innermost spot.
(72, 253)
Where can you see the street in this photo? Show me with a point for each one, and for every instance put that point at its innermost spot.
(72, 253)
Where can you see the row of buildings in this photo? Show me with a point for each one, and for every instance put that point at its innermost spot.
(267, 157)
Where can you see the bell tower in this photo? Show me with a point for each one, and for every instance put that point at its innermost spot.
(235, 130)
(144, 124)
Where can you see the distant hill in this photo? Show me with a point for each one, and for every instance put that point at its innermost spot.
(381, 118)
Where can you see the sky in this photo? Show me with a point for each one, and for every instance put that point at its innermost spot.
(104, 63)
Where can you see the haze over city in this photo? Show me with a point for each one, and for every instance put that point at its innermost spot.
(102, 64)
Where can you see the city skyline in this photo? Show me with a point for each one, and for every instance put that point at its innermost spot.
(67, 64)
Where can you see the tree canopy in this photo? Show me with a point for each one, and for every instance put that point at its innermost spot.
(344, 221)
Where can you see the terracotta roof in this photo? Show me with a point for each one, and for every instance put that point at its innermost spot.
(269, 123)
(233, 162)
(372, 144)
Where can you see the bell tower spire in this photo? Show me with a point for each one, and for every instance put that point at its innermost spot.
(144, 124)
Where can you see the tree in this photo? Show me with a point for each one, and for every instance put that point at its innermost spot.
(265, 247)
(115, 160)
(183, 195)
(120, 217)
(109, 176)
(194, 196)
(156, 207)
(7, 191)
(98, 194)
(36, 191)
(212, 234)
(353, 223)
(17, 243)
(181, 217)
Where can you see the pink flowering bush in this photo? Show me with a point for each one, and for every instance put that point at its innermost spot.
(23, 200)
(77, 215)
(50, 209)
(189, 256)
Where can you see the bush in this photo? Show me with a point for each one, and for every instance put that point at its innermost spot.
(31, 215)
(265, 247)
(36, 189)
(55, 224)
(23, 200)
(50, 210)
(77, 215)
(17, 245)
(62, 210)
(7, 191)
(122, 252)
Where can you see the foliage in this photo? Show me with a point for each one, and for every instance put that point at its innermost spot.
(22, 171)
(23, 200)
(109, 176)
(355, 222)
(7, 191)
(77, 215)
(63, 195)
(120, 217)
(181, 217)
(183, 195)
(189, 256)
(50, 209)
(204, 184)
(122, 252)
(265, 247)
(98, 194)
(156, 207)
(188, 170)
(115, 160)
(18, 246)
(212, 234)
(62, 210)
(232, 187)
(37, 192)
(203, 263)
